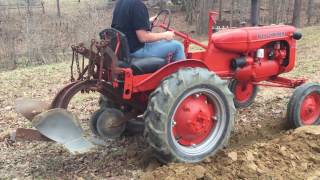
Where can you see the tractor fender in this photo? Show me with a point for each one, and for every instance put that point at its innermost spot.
(151, 81)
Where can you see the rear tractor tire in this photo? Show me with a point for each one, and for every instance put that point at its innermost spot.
(190, 116)
(304, 106)
(244, 93)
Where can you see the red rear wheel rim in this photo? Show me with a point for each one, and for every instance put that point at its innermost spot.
(243, 92)
(194, 120)
(310, 109)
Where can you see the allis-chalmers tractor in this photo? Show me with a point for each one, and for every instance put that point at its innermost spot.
(187, 108)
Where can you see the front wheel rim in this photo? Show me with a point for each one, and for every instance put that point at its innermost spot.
(243, 92)
(206, 128)
(310, 109)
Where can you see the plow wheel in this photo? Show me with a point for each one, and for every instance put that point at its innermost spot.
(304, 106)
(134, 126)
(104, 103)
(244, 93)
(93, 121)
(190, 116)
(110, 123)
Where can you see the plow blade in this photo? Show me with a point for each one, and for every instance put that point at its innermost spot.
(61, 126)
(29, 108)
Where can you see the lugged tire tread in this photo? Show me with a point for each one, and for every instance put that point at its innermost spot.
(294, 100)
(160, 102)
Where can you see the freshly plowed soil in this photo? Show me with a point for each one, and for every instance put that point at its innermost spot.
(293, 155)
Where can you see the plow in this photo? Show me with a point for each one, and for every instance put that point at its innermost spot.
(186, 109)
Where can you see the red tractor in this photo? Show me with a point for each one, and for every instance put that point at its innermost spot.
(187, 107)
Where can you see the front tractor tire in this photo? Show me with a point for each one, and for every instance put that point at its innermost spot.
(190, 116)
(244, 93)
(304, 106)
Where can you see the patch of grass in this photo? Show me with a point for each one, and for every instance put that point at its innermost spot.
(308, 55)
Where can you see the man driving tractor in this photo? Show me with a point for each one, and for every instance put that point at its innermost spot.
(131, 17)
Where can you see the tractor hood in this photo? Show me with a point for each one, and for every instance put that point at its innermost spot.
(247, 39)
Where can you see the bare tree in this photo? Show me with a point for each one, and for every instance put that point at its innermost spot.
(202, 21)
(270, 8)
(232, 13)
(296, 13)
(310, 11)
(191, 7)
(282, 11)
(274, 11)
(289, 9)
(255, 12)
(58, 8)
(43, 9)
(28, 7)
(220, 9)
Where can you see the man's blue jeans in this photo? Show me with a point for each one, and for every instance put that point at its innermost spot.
(161, 49)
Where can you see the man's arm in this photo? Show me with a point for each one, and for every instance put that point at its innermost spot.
(147, 36)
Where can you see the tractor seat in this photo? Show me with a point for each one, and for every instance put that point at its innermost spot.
(139, 66)
(145, 65)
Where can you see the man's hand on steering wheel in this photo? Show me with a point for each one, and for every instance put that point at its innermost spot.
(156, 22)
(152, 19)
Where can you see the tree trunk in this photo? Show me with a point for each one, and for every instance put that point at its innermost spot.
(271, 10)
(58, 8)
(242, 11)
(232, 13)
(296, 13)
(289, 9)
(28, 7)
(282, 11)
(43, 9)
(190, 8)
(220, 10)
(310, 11)
(161, 5)
(255, 12)
(275, 12)
(202, 21)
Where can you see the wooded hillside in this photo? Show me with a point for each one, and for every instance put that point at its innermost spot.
(42, 31)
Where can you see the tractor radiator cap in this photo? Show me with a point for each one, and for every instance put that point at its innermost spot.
(297, 35)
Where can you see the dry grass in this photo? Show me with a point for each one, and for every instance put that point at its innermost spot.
(44, 38)
(308, 55)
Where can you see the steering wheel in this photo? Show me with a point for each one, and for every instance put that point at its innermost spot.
(157, 22)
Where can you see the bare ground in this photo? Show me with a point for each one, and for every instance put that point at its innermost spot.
(261, 147)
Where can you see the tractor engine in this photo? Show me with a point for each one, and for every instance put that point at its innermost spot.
(266, 62)
(263, 52)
